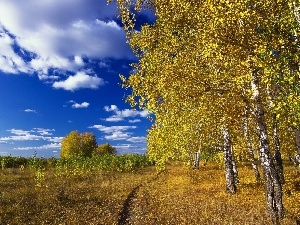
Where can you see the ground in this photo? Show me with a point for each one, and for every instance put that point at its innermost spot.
(177, 196)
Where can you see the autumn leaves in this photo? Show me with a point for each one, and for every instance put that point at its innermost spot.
(203, 63)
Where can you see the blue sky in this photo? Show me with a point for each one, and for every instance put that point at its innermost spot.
(60, 62)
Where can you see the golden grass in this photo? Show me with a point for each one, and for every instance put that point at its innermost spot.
(179, 196)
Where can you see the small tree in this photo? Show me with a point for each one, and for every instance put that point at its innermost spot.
(75, 144)
(88, 144)
(105, 149)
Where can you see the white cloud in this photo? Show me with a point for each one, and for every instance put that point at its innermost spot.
(41, 36)
(36, 134)
(130, 148)
(30, 111)
(55, 139)
(112, 129)
(47, 77)
(129, 113)
(82, 105)
(19, 132)
(10, 62)
(136, 139)
(111, 108)
(47, 146)
(144, 113)
(117, 133)
(113, 119)
(134, 121)
(43, 131)
(27, 137)
(79, 105)
(42, 65)
(121, 114)
(78, 60)
(78, 81)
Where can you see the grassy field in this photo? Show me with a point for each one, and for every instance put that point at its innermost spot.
(178, 196)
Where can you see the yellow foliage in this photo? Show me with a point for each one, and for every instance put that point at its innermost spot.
(195, 66)
(75, 144)
(105, 149)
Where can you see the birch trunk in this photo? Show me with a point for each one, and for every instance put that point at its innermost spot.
(249, 146)
(229, 173)
(296, 160)
(297, 135)
(277, 154)
(234, 167)
(297, 139)
(272, 182)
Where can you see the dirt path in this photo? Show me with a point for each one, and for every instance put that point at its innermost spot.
(126, 215)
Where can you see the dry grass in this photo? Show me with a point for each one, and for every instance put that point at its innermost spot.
(180, 196)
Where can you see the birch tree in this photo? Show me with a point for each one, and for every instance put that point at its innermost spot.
(220, 54)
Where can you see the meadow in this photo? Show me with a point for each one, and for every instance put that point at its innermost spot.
(129, 190)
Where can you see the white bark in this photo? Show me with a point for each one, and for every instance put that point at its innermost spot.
(234, 167)
(249, 146)
(272, 182)
(196, 160)
(229, 172)
(297, 141)
(277, 154)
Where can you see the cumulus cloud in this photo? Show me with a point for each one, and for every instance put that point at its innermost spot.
(43, 131)
(137, 139)
(117, 136)
(78, 81)
(117, 133)
(82, 105)
(10, 62)
(112, 129)
(79, 105)
(114, 119)
(119, 115)
(36, 134)
(78, 60)
(111, 108)
(42, 36)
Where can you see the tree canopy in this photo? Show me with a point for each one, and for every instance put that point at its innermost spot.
(76, 144)
(197, 60)
(203, 64)
(104, 149)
